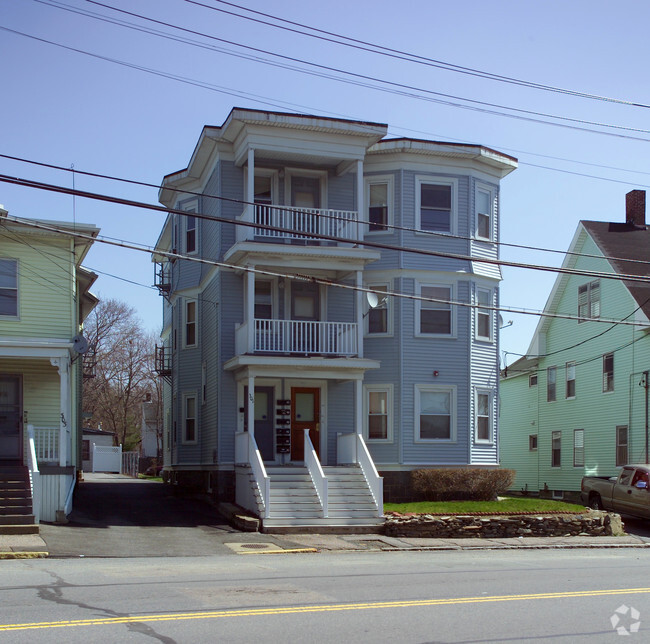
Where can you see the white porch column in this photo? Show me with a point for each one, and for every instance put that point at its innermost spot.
(250, 406)
(360, 204)
(250, 311)
(359, 295)
(65, 405)
(250, 187)
(358, 407)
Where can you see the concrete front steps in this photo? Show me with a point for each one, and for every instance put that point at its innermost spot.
(16, 515)
(295, 506)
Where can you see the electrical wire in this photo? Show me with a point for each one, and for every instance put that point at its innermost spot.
(307, 278)
(369, 243)
(326, 216)
(363, 45)
(357, 78)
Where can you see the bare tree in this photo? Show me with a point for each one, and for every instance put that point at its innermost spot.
(124, 370)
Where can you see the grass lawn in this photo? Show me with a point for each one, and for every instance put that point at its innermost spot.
(506, 504)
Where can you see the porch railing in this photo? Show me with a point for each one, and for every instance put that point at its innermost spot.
(46, 444)
(246, 451)
(293, 336)
(316, 472)
(299, 223)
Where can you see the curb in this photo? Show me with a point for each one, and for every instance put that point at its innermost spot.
(24, 555)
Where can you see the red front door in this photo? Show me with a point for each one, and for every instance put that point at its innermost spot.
(305, 414)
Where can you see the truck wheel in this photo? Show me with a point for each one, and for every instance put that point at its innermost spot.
(595, 503)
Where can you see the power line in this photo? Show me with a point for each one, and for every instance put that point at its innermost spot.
(326, 216)
(369, 243)
(403, 55)
(354, 78)
(309, 278)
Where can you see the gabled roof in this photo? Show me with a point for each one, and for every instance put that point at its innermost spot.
(625, 246)
(625, 242)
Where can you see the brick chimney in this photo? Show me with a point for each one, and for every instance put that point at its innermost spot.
(635, 207)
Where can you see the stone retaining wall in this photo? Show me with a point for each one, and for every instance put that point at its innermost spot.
(430, 526)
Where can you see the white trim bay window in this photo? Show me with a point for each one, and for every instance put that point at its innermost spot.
(435, 413)
(484, 213)
(189, 419)
(435, 317)
(378, 317)
(483, 315)
(435, 203)
(378, 404)
(379, 196)
(483, 414)
(9, 287)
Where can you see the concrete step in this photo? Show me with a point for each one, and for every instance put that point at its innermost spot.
(19, 529)
(17, 519)
(335, 524)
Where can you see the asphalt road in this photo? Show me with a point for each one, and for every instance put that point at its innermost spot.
(470, 596)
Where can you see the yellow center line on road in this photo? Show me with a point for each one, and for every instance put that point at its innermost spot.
(288, 610)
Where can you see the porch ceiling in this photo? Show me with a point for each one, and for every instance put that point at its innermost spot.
(291, 367)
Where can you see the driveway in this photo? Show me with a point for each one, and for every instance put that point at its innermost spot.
(118, 516)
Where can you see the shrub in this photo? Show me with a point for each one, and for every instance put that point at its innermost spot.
(467, 484)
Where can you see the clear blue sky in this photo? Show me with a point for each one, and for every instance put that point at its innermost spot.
(67, 108)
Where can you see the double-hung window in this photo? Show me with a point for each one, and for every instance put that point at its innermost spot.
(9, 287)
(435, 315)
(551, 382)
(483, 315)
(435, 205)
(377, 316)
(191, 229)
(556, 449)
(483, 417)
(578, 448)
(189, 419)
(263, 300)
(378, 405)
(484, 211)
(570, 380)
(379, 190)
(435, 413)
(190, 323)
(608, 372)
(589, 300)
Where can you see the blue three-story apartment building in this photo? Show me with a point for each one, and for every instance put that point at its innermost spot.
(327, 282)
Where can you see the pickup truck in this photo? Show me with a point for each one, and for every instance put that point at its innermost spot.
(629, 493)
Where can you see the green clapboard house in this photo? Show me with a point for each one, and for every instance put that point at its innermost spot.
(577, 404)
(44, 298)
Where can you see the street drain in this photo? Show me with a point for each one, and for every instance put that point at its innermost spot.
(255, 546)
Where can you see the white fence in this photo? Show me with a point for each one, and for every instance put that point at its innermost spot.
(107, 458)
(130, 463)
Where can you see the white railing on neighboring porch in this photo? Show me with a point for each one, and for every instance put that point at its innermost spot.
(34, 474)
(316, 472)
(351, 448)
(293, 336)
(46, 444)
(299, 223)
(246, 451)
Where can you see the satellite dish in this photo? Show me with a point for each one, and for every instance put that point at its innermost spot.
(80, 344)
(500, 321)
(373, 299)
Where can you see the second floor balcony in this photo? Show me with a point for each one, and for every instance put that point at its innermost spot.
(290, 224)
(297, 337)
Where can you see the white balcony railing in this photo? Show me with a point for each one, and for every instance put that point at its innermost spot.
(300, 223)
(292, 336)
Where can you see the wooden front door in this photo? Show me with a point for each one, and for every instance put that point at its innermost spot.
(305, 414)
(11, 417)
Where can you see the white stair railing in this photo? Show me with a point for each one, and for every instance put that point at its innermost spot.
(262, 479)
(351, 448)
(316, 472)
(34, 475)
